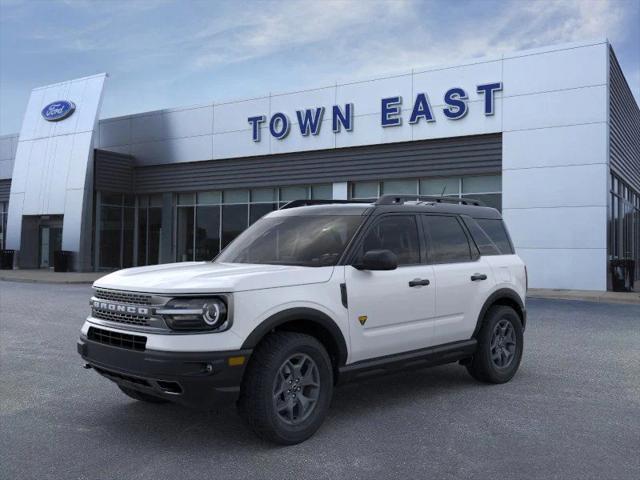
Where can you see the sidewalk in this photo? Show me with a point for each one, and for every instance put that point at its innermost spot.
(49, 276)
(585, 295)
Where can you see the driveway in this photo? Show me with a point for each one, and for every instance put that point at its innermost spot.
(572, 411)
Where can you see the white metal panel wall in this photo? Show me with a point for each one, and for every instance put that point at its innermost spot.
(552, 110)
(555, 164)
(53, 163)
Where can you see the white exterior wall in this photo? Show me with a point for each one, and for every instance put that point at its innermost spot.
(52, 172)
(555, 164)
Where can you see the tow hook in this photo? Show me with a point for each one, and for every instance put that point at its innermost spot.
(87, 366)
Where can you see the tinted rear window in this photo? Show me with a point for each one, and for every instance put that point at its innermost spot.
(447, 241)
(496, 231)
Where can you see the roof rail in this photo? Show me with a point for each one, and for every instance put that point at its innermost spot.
(400, 199)
(305, 203)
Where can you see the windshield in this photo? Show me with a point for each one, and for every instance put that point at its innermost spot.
(310, 241)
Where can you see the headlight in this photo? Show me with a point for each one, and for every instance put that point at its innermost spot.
(196, 314)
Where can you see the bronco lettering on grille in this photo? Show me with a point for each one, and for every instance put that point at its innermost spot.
(118, 308)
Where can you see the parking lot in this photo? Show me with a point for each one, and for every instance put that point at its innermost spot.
(572, 411)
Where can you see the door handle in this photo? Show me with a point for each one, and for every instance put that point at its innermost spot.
(478, 276)
(418, 282)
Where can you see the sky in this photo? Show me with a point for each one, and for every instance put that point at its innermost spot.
(162, 53)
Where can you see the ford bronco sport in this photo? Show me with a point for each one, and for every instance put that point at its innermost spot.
(316, 293)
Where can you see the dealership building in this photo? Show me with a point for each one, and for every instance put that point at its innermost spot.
(551, 137)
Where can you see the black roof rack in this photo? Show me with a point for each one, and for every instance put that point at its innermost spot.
(400, 199)
(306, 203)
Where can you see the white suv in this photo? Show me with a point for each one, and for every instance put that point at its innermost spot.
(313, 295)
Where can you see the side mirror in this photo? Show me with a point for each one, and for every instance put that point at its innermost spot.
(378, 260)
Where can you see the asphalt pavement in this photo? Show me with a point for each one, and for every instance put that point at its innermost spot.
(572, 411)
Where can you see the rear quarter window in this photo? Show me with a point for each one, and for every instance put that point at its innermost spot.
(496, 231)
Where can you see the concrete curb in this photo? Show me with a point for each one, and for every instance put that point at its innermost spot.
(628, 298)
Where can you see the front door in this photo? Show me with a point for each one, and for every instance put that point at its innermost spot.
(391, 311)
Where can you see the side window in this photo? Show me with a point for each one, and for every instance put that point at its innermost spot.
(496, 231)
(397, 233)
(447, 241)
(484, 243)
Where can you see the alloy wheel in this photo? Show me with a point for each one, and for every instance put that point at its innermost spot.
(503, 344)
(296, 389)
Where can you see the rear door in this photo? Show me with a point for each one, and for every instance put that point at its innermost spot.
(391, 311)
(462, 278)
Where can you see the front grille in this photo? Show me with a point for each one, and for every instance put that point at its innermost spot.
(117, 339)
(123, 297)
(128, 318)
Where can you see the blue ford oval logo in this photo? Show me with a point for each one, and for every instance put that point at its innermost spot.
(59, 110)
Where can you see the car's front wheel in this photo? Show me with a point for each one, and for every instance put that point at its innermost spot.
(500, 344)
(287, 388)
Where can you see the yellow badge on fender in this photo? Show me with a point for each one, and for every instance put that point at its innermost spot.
(362, 319)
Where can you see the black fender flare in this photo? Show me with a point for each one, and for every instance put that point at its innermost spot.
(316, 317)
(508, 296)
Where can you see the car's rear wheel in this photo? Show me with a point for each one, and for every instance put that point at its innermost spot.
(500, 344)
(287, 388)
(141, 396)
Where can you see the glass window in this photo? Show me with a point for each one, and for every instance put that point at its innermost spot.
(310, 241)
(448, 242)
(259, 210)
(364, 190)
(497, 232)
(207, 232)
(111, 198)
(409, 187)
(184, 234)
(110, 236)
(482, 184)
(209, 198)
(322, 192)
(128, 227)
(234, 221)
(155, 234)
(398, 233)
(493, 200)
(484, 243)
(264, 195)
(3, 223)
(440, 186)
(236, 196)
(155, 200)
(288, 194)
(142, 234)
(186, 199)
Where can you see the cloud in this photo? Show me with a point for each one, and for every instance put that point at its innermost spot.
(274, 29)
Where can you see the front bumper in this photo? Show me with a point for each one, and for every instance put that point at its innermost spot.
(195, 379)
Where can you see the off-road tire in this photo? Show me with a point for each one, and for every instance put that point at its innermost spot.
(141, 396)
(483, 367)
(256, 403)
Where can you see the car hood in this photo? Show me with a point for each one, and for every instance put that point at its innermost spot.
(209, 277)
